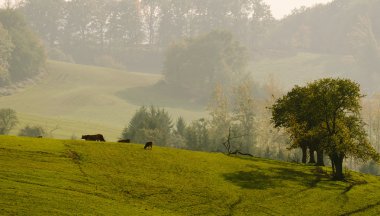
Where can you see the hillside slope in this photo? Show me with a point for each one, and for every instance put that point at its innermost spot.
(42, 176)
(86, 94)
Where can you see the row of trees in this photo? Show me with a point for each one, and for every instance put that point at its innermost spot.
(204, 134)
(324, 116)
(21, 53)
(89, 28)
(234, 116)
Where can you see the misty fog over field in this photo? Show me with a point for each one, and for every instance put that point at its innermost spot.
(189, 107)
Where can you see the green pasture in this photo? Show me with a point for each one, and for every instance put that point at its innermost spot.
(66, 177)
(85, 99)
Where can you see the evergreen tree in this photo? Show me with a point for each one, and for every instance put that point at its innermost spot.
(149, 124)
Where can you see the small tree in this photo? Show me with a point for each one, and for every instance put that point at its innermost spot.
(244, 115)
(220, 117)
(149, 124)
(181, 126)
(8, 120)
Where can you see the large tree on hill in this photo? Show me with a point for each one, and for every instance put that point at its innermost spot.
(291, 112)
(326, 113)
(196, 65)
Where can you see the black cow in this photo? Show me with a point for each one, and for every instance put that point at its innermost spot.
(124, 141)
(96, 137)
(148, 145)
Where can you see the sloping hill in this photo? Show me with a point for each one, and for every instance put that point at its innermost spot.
(84, 94)
(42, 176)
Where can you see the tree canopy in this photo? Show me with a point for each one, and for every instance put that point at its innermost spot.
(198, 64)
(326, 113)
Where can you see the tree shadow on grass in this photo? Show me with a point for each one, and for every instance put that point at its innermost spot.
(272, 178)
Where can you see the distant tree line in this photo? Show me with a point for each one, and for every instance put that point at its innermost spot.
(90, 30)
(342, 27)
(22, 55)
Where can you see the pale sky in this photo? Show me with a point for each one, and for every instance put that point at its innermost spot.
(280, 8)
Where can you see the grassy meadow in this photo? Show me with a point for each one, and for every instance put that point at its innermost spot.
(66, 177)
(83, 99)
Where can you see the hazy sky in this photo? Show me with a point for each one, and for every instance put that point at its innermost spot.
(280, 8)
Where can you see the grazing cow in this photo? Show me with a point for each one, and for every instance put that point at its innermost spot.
(96, 137)
(39, 136)
(148, 145)
(124, 141)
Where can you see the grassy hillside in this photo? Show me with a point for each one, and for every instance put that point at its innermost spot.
(83, 94)
(42, 176)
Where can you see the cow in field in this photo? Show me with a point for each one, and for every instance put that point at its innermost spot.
(124, 141)
(148, 145)
(96, 137)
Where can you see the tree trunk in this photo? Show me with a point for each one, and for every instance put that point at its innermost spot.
(320, 161)
(337, 161)
(304, 154)
(312, 158)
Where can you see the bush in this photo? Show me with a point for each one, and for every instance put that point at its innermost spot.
(32, 131)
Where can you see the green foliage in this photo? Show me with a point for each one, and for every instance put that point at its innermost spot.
(32, 131)
(8, 120)
(66, 177)
(6, 48)
(326, 112)
(28, 55)
(197, 135)
(149, 124)
(181, 126)
(196, 65)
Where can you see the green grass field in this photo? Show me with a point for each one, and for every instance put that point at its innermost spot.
(83, 99)
(63, 177)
